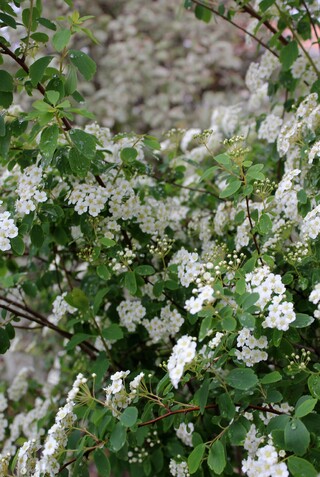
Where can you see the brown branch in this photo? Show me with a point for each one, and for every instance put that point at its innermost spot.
(41, 88)
(216, 12)
(251, 227)
(88, 348)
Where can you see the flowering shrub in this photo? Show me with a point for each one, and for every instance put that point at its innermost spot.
(176, 283)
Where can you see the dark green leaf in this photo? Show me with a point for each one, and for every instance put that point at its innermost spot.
(17, 245)
(145, 270)
(314, 385)
(6, 82)
(77, 339)
(217, 457)
(48, 141)
(202, 13)
(289, 54)
(8, 20)
(4, 341)
(103, 272)
(6, 99)
(130, 282)
(37, 236)
(84, 142)
(113, 332)
(128, 154)
(129, 417)
(273, 377)
(118, 437)
(102, 463)
(242, 378)
(79, 163)
(84, 63)
(37, 69)
(195, 458)
(301, 467)
(296, 437)
(302, 320)
(304, 406)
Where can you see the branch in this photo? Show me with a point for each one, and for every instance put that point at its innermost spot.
(41, 88)
(216, 12)
(251, 227)
(209, 406)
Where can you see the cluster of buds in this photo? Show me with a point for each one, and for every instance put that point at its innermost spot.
(162, 247)
(298, 362)
(123, 260)
(236, 148)
(137, 455)
(86, 253)
(264, 188)
(297, 251)
(203, 137)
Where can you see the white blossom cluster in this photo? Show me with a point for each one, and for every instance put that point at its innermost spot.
(269, 128)
(266, 462)
(8, 230)
(284, 407)
(117, 396)
(178, 469)
(251, 351)
(161, 328)
(56, 440)
(310, 227)
(205, 295)
(184, 432)
(4, 465)
(188, 266)
(131, 313)
(307, 117)
(19, 385)
(182, 353)
(314, 297)
(30, 190)
(60, 308)
(314, 152)
(286, 195)
(88, 198)
(271, 292)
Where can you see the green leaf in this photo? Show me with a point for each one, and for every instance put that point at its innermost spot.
(113, 332)
(84, 142)
(128, 154)
(205, 327)
(152, 143)
(289, 54)
(265, 224)
(231, 189)
(242, 378)
(130, 282)
(17, 245)
(106, 242)
(273, 377)
(78, 299)
(103, 272)
(195, 458)
(40, 37)
(77, 339)
(37, 69)
(202, 13)
(48, 141)
(314, 385)
(208, 174)
(6, 82)
(79, 163)
(2, 126)
(302, 320)
(217, 457)
(53, 97)
(203, 394)
(6, 99)
(71, 81)
(145, 270)
(4, 341)
(102, 463)
(61, 38)
(129, 417)
(37, 236)
(296, 436)
(118, 437)
(241, 286)
(47, 23)
(301, 467)
(247, 320)
(249, 300)
(265, 4)
(8, 20)
(84, 63)
(255, 172)
(304, 406)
